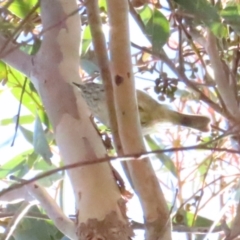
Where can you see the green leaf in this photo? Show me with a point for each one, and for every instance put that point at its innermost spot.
(32, 159)
(33, 48)
(6, 121)
(28, 135)
(26, 119)
(158, 30)
(33, 229)
(65, 238)
(15, 164)
(186, 218)
(166, 161)
(205, 13)
(199, 222)
(21, 8)
(201, 9)
(89, 66)
(231, 15)
(102, 4)
(31, 99)
(41, 165)
(86, 40)
(40, 143)
(145, 14)
(22, 170)
(204, 166)
(3, 71)
(219, 30)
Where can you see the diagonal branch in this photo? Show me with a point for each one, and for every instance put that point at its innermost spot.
(163, 57)
(126, 157)
(15, 57)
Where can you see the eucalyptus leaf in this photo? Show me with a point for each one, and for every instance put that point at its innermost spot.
(30, 99)
(40, 143)
(32, 48)
(21, 8)
(201, 9)
(89, 66)
(28, 135)
(158, 30)
(204, 166)
(186, 218)
(14, 164)
(205, 13)
(3, 71)
(231, 15)
(34, 229)
(199, 222)
(145, 14)
(102, 4)
(86, 40)
(166, 160)
(43, 166)
(25, 119)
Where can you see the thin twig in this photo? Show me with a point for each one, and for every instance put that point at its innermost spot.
(201, 192)
(38, 216)
(24, 21)
(16, 46)
(163, 56)
(182, 229)
(19, 111)
(174, 202)
(127, 157)
(202, 96)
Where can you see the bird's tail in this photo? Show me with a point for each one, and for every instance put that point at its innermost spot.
(198, 122)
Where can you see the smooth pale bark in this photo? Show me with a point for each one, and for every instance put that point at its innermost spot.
(96, 192)
(100, 50)
(156, 215)
(52, 70)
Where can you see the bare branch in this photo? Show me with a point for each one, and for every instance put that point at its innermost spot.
(16, 195)
(182, 77)
(155, 209)
(103, 63)
(127, 157)
(15, 57)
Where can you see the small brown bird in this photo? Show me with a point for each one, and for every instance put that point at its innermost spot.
(151, 112)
